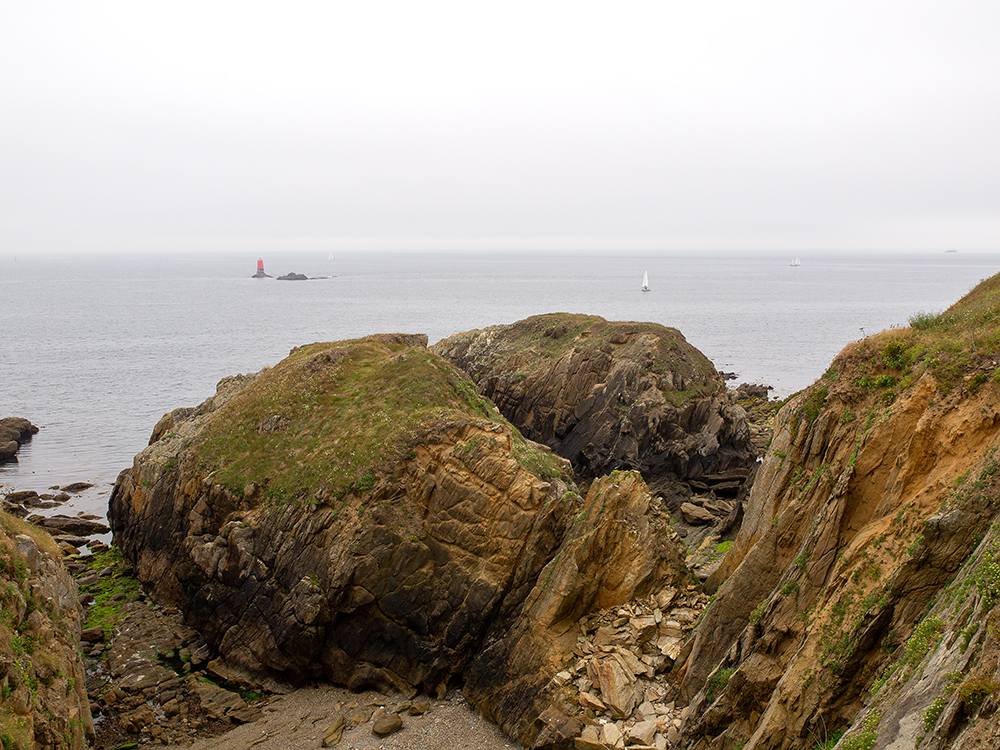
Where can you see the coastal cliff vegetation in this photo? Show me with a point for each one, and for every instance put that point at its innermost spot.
(857, 600)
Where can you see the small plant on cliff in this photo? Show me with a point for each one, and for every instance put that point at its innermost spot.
(718, 681)
(925, 321)
(924, 636)
(933, 711)
(894, 354)
(800, 562)
(975, 690)
(865, 738)
(813, 404)
(790, 587)
(830, 742)
(987, 576)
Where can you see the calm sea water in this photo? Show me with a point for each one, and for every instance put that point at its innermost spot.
(95, 349)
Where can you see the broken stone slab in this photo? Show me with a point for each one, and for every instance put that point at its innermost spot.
(608, 636)
(671, 629)
(666, 597)
(591, 701)
(647, 711)
(695, 515)
(335, 732)
(92, 635)
(643, 628)
(685, 615)
(612, 736)
(670, 647)
(217, 702)
(631, 662)
(642, 732)
(615, 684)
(73, 541)
(70, 525)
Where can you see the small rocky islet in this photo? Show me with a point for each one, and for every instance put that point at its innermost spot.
(571, 521)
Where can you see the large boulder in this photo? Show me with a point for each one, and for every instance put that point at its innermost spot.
(358, 513)
(348, 514)
(609, 395)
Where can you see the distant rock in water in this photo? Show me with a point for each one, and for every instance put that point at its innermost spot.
(293, 277)
(14, 431)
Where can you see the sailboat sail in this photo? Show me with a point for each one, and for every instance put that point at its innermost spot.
(645, 281)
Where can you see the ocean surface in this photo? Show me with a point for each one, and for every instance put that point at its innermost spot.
(95, 349)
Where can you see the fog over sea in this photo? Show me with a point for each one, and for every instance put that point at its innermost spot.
(95, 349)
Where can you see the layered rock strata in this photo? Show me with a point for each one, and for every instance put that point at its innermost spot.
(877, 490)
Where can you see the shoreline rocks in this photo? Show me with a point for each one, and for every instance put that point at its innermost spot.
(14, 432)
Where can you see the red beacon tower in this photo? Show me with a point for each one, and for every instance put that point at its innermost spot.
(260, 270)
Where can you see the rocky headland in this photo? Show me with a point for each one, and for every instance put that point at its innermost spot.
(513, 514)
(361, 514)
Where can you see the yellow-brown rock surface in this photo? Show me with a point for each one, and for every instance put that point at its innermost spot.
(877, 489)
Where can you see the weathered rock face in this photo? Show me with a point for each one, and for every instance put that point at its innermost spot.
(44, 697)
(609, 396)
(13, 432)
(388, 580)
(619, 548)
(450, 536)
(880, 482)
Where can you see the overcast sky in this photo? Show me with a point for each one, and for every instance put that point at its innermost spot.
(502, 125)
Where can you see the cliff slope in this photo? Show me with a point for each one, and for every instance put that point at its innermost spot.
(835, 610)
(43, 695)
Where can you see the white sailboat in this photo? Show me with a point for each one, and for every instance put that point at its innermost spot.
(645, 281)
(796, 262)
